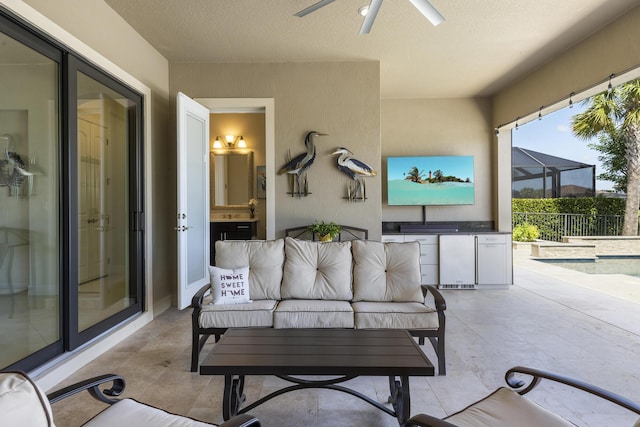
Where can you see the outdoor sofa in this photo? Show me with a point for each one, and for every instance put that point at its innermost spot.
(292, 283)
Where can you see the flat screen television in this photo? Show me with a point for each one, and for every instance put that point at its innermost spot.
(430, 181)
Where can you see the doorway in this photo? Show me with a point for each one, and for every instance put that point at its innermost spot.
(255, 105)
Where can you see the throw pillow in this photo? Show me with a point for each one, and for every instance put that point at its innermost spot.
(229, 286)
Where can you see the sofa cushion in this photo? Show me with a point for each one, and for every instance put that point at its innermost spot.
(503, 408)
(129, 412)
(394, 315)
(22, 402)
(386, 271)
(313, 314)
(256, 314)
(265, 259)
(315, 270)
(229, 286)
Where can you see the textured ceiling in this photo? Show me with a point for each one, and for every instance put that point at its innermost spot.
(482, 46)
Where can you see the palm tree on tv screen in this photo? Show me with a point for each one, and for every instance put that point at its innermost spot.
(415, 175)
(615, 114)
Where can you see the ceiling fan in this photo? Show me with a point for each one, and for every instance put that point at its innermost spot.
(424, 6)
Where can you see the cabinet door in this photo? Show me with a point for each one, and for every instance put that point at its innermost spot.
(492, 263)
(457, 259)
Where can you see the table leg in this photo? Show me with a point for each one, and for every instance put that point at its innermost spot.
(232, 398)
(400, 397)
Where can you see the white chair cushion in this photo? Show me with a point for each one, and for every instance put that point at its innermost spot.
(386, 272)
(313, 314)
(506, 408)
(394, 315)
(316, 270)
(22, 402)
(129, 412)
(255, 314)
(265, 259)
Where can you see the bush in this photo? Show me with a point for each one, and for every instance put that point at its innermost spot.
(525, 233)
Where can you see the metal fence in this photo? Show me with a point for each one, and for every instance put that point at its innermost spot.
(553, 226)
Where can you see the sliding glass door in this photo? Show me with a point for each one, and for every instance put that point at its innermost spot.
(30, 244)
(71, 210)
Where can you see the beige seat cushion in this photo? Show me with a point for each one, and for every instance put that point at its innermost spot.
(265, 259)
(394, 315)
(22, 402)
(385, 271)
(315, 270)
(313, 314)
(129, 412)
(506, 408)
(255, 314)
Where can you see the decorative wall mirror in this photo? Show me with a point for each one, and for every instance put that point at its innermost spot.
(231, 175)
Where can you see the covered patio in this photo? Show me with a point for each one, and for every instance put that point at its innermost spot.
(585, 326)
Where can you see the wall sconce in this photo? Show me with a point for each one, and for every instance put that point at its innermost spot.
(229, 141)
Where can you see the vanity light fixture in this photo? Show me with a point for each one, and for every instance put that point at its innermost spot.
(229, 141)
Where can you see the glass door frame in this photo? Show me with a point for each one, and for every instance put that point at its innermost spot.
(73, 337)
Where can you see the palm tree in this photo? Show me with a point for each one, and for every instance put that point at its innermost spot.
(415, 175)
(617, 112)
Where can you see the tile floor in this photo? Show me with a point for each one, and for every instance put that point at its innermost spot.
(580, 325)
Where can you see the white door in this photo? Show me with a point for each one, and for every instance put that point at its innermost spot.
(193, 198)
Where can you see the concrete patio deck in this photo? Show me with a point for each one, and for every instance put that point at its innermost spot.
(586, 326)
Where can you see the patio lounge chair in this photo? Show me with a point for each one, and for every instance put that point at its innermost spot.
(22, 403)
(507, 407)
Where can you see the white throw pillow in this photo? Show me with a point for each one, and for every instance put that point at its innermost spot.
(229, 286)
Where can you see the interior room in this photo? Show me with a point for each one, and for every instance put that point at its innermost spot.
(91, 239)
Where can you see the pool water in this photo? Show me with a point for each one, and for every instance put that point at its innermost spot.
(629, 265)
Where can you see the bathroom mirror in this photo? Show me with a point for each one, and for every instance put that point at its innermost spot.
(231, 175)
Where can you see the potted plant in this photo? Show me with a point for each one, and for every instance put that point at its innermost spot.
(326, 232)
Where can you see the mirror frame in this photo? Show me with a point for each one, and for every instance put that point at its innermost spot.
(212, 176)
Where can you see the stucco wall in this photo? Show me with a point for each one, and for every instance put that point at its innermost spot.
(439, 127)
(338, 98)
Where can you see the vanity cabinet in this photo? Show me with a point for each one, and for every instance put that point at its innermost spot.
(230, 230)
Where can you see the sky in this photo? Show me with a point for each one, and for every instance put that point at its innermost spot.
(552, 135)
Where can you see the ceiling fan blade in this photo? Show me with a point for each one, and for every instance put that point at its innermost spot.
(313, 8)
(427, 9)
(374, 7)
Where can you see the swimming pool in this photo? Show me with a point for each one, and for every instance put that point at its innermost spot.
(629, 265)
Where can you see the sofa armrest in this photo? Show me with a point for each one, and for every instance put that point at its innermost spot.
(92, 386)
(537, 375)
(196, 300)
(242, 420)
(441, 304)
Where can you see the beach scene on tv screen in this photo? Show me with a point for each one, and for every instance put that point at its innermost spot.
(430, 180)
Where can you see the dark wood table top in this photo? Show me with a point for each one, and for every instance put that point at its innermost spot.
(264, 351)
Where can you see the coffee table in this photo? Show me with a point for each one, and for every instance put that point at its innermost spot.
(341, 353)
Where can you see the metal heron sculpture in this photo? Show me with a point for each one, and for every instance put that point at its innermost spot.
(298, 166)
(354, 169)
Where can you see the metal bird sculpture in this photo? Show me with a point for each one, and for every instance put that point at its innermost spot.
(299, 165)
(354, 169)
